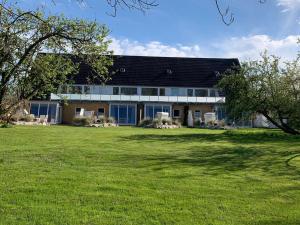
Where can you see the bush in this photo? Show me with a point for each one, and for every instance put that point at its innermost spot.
(111, 120)
(145, 122)
(198, 123)
(27, 118)
(102, 119)
(167, 121)
(82, 121)
(177, 123)
(6, 125)
(157, 122)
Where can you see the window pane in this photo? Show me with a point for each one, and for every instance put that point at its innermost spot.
(52, 112)
(131, 114)
(123, 114)
(64, 89)
(166, 109)
(190, 92)
(34, 109)
(114, 112)
(197, 114)
(157, 109)
(201, 92)
(100, 112)
(149, 112)
(75, 89)
(212, 93)
(87, 90)
(176, 113)
(129, 91)
(175, 91)
(162, 92)
(150, 91)
(115, 90)
(43, 109)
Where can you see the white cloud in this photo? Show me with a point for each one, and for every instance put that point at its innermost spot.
(289, 5)
(252, 46)
(153, 48)
(243, 48)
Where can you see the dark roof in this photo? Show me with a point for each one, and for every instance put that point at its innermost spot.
(163, 71)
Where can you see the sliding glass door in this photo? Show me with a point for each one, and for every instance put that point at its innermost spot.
(124, 114)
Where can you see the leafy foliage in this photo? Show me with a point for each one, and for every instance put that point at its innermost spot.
(268, 87)
(26, 73)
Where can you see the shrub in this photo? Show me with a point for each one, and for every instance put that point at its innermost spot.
(198, 123)
(82, 121)
(27, 118)
(222, 123)
(5, 125)
(111, 120)
(101, 119)
(145, 122)
(177, 123)
(157, 122)
(167, 121)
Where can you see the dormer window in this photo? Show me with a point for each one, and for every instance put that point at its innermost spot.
(169, 71)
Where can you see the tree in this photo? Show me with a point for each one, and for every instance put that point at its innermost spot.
(267, 87)
(25, 73)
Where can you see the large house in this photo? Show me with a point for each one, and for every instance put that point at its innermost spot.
(140, 88)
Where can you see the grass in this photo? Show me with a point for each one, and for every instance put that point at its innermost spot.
(70, 175)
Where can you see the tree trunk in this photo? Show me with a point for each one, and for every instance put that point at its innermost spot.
(282, 126)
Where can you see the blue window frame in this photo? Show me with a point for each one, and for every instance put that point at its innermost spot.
(123, 114)
(152, 110)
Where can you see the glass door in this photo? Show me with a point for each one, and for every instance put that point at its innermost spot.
(124, 114)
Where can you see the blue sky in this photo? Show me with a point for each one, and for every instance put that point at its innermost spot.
(193, 28)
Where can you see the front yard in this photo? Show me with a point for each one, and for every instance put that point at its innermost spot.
(72, 175)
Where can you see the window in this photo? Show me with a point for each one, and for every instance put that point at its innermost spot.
(87, 90)
(212, 93)
(42, 109)
(152, 110)
(162, 92)
(116, 91)
(201, 92)
(79, 111)
(64, 89)
(197, 114)
(128, 91)
(101, 112)
(75, 89)
(190, 92)
(176, 113)
(34, 109)
(150, 91)
(175, 91)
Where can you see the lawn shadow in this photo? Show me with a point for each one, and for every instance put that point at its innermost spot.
(244, 155)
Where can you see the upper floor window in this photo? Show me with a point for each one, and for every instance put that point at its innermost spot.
(75, 89)
(201, 92)
(150, 91)
(190, 92)
(87, 90)
(212, 93)
(128, 91)
(116, 90)
(63, 89)
(162, 92)
(101, 112)
(175, 91)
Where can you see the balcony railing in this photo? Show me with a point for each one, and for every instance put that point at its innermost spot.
(138, 98)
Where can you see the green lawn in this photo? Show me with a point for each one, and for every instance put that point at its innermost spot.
(68, 175)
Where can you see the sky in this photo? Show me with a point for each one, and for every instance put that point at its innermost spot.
(192, 28)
